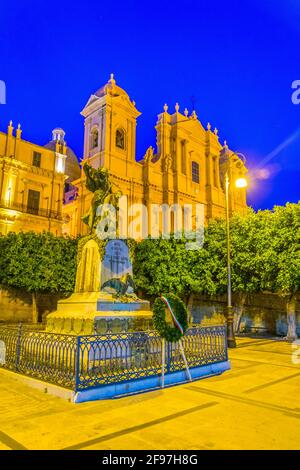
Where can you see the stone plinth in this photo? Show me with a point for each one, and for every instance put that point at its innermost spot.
(98, 312)
(104, 299)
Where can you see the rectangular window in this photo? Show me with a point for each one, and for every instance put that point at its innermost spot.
(195, 172)
(36, 160)
(33, 203)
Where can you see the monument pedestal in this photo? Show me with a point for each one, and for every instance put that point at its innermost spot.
(104, 300)
(88, 313)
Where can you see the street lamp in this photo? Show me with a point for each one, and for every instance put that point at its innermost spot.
(239, 183)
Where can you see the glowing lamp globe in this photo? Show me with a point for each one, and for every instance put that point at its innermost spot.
(241, 183)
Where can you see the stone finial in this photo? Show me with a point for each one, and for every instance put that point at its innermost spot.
(186, 112)
(208, 127)
(176, 107)
(194, 115)
(133, 102)
(19, 131)
(225, 146)
(10, 128)
(216, 131)
(112, 79)
(166, 107)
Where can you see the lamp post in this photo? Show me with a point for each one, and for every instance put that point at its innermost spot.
(239, 183)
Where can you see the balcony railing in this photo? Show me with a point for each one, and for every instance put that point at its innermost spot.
(16, 206)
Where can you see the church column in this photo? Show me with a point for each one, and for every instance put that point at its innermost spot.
(85, 145)
(216, 148)
(209, 172)
(163, 129)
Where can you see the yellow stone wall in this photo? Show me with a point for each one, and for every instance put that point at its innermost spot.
(18, 175)
(162, 176)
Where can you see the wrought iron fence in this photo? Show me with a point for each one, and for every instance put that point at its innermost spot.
(84, 362)
(45, 356)
(202, 345)
(123, 357)
(116, 358)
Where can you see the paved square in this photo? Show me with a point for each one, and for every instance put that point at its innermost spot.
(256, 405)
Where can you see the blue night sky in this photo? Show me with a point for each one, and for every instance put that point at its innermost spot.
(237, 58)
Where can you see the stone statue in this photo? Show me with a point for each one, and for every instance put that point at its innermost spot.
(98, 182)
(166, 162)
(149, 154)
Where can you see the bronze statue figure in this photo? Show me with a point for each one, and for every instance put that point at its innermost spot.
(98, 182)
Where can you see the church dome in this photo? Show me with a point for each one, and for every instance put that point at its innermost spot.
(112, 88)
(72, 169)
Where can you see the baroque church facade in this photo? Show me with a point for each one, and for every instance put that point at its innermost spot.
(187, 167)
(33, 179)
(43, 187)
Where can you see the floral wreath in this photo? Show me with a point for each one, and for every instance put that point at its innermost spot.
(172, 303)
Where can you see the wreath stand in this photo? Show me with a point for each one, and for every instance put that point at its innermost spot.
(163, 362)
(181, 348)
(185, 361)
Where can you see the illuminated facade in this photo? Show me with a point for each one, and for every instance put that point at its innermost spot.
(42, 188)
(188, 166)
(32, 182)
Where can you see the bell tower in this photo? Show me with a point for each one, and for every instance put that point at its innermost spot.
(109, 127)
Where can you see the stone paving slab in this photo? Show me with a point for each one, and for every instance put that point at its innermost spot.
(256, 405)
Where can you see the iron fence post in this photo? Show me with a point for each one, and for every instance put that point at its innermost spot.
(225, 342)
(77, 363)
(169, 354)
(18, 347)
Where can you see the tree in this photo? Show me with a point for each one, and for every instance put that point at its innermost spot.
(38, 263)
(266, 255)
(252, 256)
(166, 266)
(286, 244)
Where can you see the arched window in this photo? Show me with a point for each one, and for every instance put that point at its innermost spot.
(195, 172)
(120, 139)
(94, 138)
